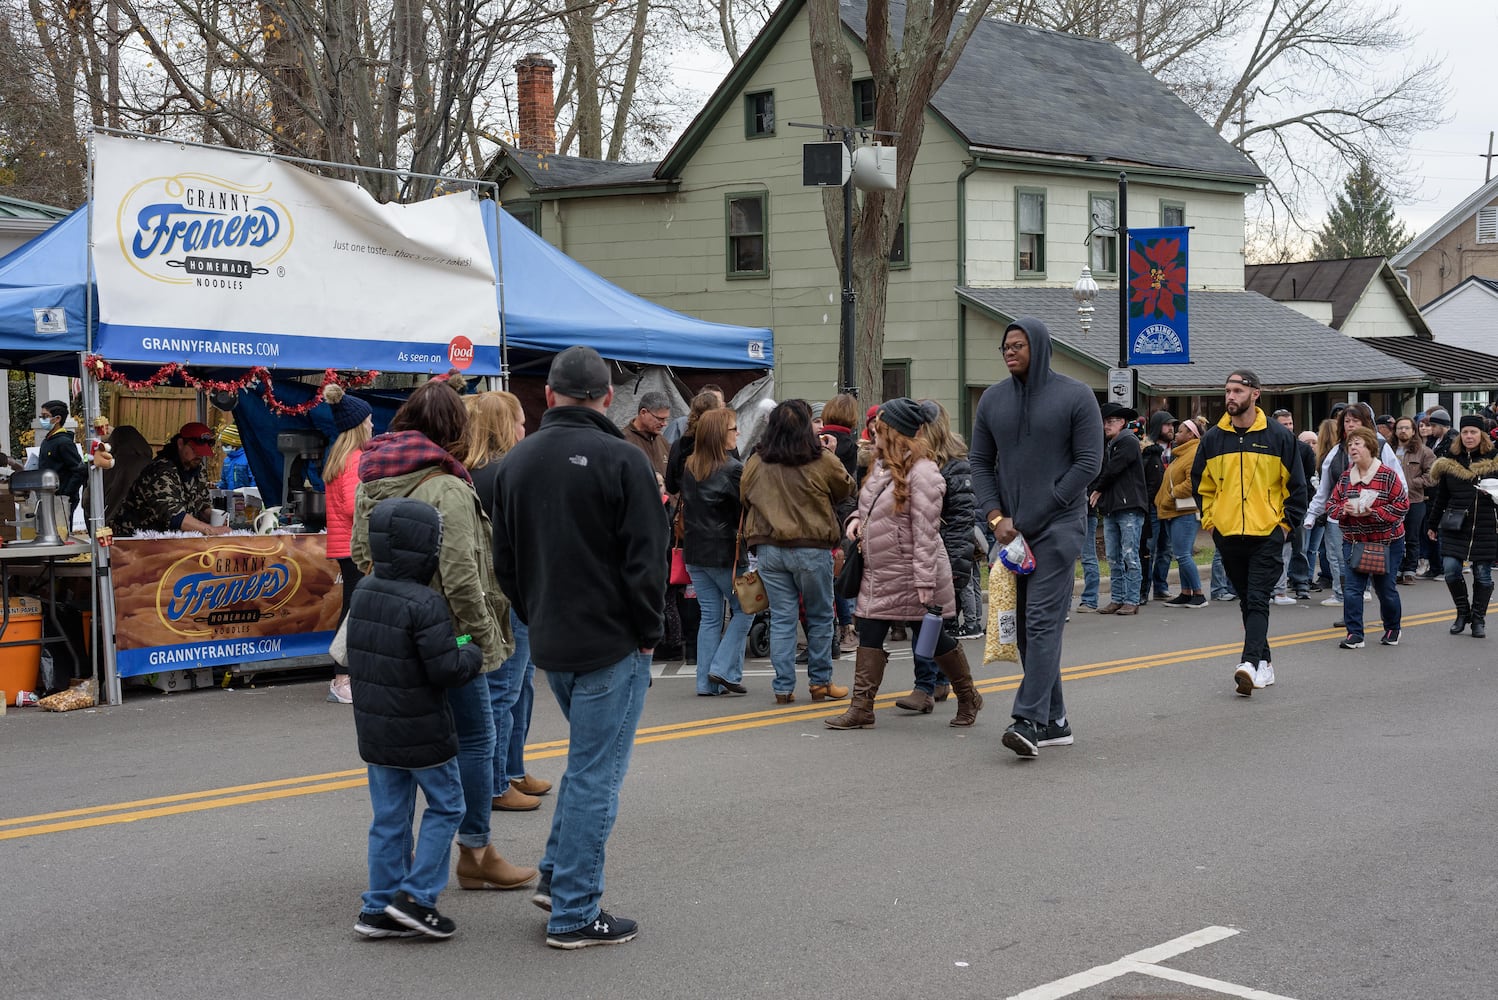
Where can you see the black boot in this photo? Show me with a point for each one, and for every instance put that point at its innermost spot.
(1463, 609)
(1480, 597)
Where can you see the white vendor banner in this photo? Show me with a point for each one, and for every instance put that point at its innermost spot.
(216, 257)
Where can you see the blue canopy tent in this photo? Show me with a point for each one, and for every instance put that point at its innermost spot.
(43, 301)
(551, 302)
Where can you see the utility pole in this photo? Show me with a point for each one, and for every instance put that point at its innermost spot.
(1487, 174)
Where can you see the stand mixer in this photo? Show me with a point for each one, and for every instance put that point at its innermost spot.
(41, 488)
(297, 448)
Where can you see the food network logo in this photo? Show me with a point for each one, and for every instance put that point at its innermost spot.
(196, 229)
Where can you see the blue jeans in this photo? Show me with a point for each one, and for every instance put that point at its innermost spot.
(1121, 540)
(1090, 575)
(1221, 585)
(1183, 530)
(720, 651)
(1160, 554)
(793, 577)
(511, 695)
(1314, 555)
(602, 708)
(1334, 557)
(392, 869)
(1482, 572)
(474, 720)
(1385, 586)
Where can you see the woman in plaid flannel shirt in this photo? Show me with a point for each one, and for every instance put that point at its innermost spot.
(1369, 502)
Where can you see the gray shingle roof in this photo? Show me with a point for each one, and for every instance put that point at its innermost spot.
(552, 172)
(1031, 90)
(1228, 330)
(1448, 366)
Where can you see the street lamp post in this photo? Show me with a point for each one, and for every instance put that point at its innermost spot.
(1085, 291)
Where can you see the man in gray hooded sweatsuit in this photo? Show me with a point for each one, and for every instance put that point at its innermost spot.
(1037, 444)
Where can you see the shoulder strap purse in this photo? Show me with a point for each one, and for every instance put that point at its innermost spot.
(747, 586)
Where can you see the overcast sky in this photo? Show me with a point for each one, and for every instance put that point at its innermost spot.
(1445, 162)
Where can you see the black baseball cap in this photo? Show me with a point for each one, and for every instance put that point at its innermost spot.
(579, 373)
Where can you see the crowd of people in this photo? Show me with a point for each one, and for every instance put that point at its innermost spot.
(516, 532)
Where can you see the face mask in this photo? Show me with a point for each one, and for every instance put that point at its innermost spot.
(41, 424)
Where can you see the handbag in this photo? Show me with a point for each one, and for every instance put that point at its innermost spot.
(1185, 503)
(679, 575)
(747, 586)
(1453, 519)
(1371, 558)
(338, 650)
(850, 577)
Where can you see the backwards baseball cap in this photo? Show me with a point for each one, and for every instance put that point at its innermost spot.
(1245, 377)
(579, 373)
(200, 436)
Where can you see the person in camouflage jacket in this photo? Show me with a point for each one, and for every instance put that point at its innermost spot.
(171, 494)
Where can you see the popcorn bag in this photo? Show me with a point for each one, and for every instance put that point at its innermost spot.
(82, 695)
(1002, 640)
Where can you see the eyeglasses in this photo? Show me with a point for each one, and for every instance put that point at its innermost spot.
(1014, 348)
(205, 439)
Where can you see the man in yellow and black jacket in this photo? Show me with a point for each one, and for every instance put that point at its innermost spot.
(1251, 490)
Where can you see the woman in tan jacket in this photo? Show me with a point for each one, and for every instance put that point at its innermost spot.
(906, 572)
(790, 488)
(1176, 508)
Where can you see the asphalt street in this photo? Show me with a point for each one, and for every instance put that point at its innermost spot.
(1330, 837)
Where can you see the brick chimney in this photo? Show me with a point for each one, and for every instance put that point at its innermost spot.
(536, 121)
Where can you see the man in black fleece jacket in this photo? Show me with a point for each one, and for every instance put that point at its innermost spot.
(580, 550)
(1037, 443)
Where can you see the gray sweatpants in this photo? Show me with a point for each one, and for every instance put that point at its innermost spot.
(1043, 601)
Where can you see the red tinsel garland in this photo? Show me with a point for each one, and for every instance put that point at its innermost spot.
(106, 372)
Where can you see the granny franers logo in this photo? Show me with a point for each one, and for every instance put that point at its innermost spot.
(208, 593)
(195, 229)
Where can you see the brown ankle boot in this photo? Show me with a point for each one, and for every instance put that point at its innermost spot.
(828, 691)
(483, 868)
(868, 674)
(916, 701)
(969, 701)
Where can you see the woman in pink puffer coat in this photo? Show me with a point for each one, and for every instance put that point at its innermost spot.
(906, 570)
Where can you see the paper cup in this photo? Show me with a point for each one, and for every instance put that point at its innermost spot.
(217, 518)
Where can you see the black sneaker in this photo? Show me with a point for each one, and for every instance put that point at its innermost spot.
(1179, 600)
(542, 896)
(1197, 601)
(1056, 734)
(970, 633)
(1351, 642)
(1024, 738)
(381, 925)
(424, 919)
(603, 930)
(1302, 594)
(1389, 638)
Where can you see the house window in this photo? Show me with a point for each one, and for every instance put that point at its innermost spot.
(1030, 232)
(747, 250)
(759, 114)
(863, 102)
(899, 251)
(1102, 216)
(1172, 213)
(1487, 224)
(528, 216)
(896, 381)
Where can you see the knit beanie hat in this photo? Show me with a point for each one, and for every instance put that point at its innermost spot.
(904, 415)
(228, 436)
(1473, 420)
(348, 411)
(1439, 416)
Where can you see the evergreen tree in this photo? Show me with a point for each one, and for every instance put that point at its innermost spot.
(1361, 223)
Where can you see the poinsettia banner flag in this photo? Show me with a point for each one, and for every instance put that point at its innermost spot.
(1159, 327)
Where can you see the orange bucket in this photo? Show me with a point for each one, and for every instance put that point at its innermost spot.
(20, 666)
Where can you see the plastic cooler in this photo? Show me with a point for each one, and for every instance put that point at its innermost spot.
(20, 666)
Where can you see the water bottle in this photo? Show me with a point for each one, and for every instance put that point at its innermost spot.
(925, 640)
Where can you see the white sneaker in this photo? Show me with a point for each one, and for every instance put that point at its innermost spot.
(340, 694)
(1282, 599)
(1246, 677)
(1332, 602)
(1264, 676)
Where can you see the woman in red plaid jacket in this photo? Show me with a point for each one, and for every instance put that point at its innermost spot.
(1370, 503)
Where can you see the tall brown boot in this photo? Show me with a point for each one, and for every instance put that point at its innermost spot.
(868, 674)
(483, 868)
(969, 701)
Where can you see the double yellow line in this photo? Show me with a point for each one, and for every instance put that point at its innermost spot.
(313, 784)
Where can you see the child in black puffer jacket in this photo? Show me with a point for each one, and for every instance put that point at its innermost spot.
(402, 656)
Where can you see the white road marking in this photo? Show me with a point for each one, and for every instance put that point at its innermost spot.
(1144, 962)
